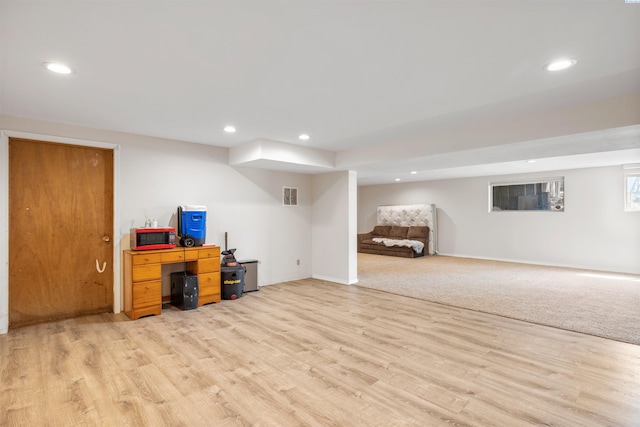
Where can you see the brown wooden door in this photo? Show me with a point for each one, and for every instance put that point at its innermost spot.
(60, 223)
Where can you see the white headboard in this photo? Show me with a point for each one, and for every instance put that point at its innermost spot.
(407, 215)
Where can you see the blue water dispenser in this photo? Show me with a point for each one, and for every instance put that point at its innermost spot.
(192, 225)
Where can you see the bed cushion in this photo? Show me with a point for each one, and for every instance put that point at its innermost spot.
(418, 232)
(381, 231)
(398, 232)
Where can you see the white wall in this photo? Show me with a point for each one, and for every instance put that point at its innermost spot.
(156, 175)
(334, 227)
(594, 232)
(244, 202)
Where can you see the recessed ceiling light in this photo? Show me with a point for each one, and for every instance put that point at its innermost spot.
(414, 172)
(560, 64)
(229, 129)
(531, 161)
(397, 179)
(304, 137)
(58, 67)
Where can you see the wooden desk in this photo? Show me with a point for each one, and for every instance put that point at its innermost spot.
(143, 277)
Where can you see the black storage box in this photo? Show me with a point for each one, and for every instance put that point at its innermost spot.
(231, 281)
(184, 290)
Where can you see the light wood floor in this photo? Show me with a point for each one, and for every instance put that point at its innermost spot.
(319, 354)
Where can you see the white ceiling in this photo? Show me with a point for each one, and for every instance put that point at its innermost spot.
(363, 78)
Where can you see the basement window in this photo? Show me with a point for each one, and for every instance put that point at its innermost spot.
(545, 194)
(632, 188)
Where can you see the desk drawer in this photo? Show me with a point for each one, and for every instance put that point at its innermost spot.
(178, 256)
(209, 283)
(140, 259)
(209, 253)
(141, 273)
(208, 265)
(147, 294)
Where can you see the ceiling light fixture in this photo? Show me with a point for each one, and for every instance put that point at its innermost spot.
(304, 137)
(414, 172)
(531, 161)
(229, 129)
(58, 67)
(560, 64)
(397, 179)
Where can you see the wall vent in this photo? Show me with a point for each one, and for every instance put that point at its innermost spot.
(289, 196)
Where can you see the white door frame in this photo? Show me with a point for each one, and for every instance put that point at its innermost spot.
(4, 214)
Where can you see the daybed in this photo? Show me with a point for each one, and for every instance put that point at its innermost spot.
(394, 240)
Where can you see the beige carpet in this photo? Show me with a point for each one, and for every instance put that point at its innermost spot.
(592, 302)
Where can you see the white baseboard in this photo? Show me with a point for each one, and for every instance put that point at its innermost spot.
(333, 279)
(546, 264)
(325, 278)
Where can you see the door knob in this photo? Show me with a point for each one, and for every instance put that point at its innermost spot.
(106, 238)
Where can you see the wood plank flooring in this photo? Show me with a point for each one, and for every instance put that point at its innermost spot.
(313, 353)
